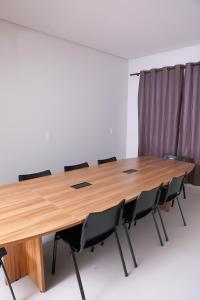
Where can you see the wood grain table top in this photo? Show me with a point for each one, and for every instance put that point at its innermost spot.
(44, 205)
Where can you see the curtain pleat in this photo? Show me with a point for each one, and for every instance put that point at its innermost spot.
(189, 133)
(159, 110)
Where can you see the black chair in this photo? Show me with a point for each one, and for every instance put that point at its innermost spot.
(96, 228)
(76, 167)
(2, 254)
(172, 191)
(34, 175)
(180, 158)
(177, 157)
(107, 160)
(146, 203)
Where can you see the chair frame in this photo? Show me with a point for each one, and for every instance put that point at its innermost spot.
(6, 274)
(155, 208)
(73, 253)
(177, 198)
(179, 158)
(179, 205)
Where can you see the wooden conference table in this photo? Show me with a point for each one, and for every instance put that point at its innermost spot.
(32, 209)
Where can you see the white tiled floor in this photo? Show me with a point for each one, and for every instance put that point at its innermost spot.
(167, 273)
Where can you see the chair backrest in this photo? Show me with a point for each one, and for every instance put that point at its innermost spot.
(76, 167)
(170, 156)
(107, 160)
(174, 187)
(177, 157)
(99, 225)
(34, 175)
(147, 200)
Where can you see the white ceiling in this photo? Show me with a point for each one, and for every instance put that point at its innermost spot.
(127, 28)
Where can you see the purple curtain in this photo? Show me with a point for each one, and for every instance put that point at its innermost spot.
(189, 139)
(159, 109)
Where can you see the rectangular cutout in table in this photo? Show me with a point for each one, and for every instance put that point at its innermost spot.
(80, 185)
(130, 171)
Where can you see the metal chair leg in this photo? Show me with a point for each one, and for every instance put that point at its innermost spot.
(157, 228)
(78, 275)
(54, 255)
(163, 225)
(130, 245)
(184, 193)
(184, 222)
(8, 280)
(121, 254)
(172, 203)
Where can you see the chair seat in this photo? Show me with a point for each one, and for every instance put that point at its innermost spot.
(2, 252)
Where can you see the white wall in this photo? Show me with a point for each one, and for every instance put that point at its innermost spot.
(170, 58)
(59, 103)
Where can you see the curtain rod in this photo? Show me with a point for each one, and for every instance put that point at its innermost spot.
(172, 67)
(138, 74)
